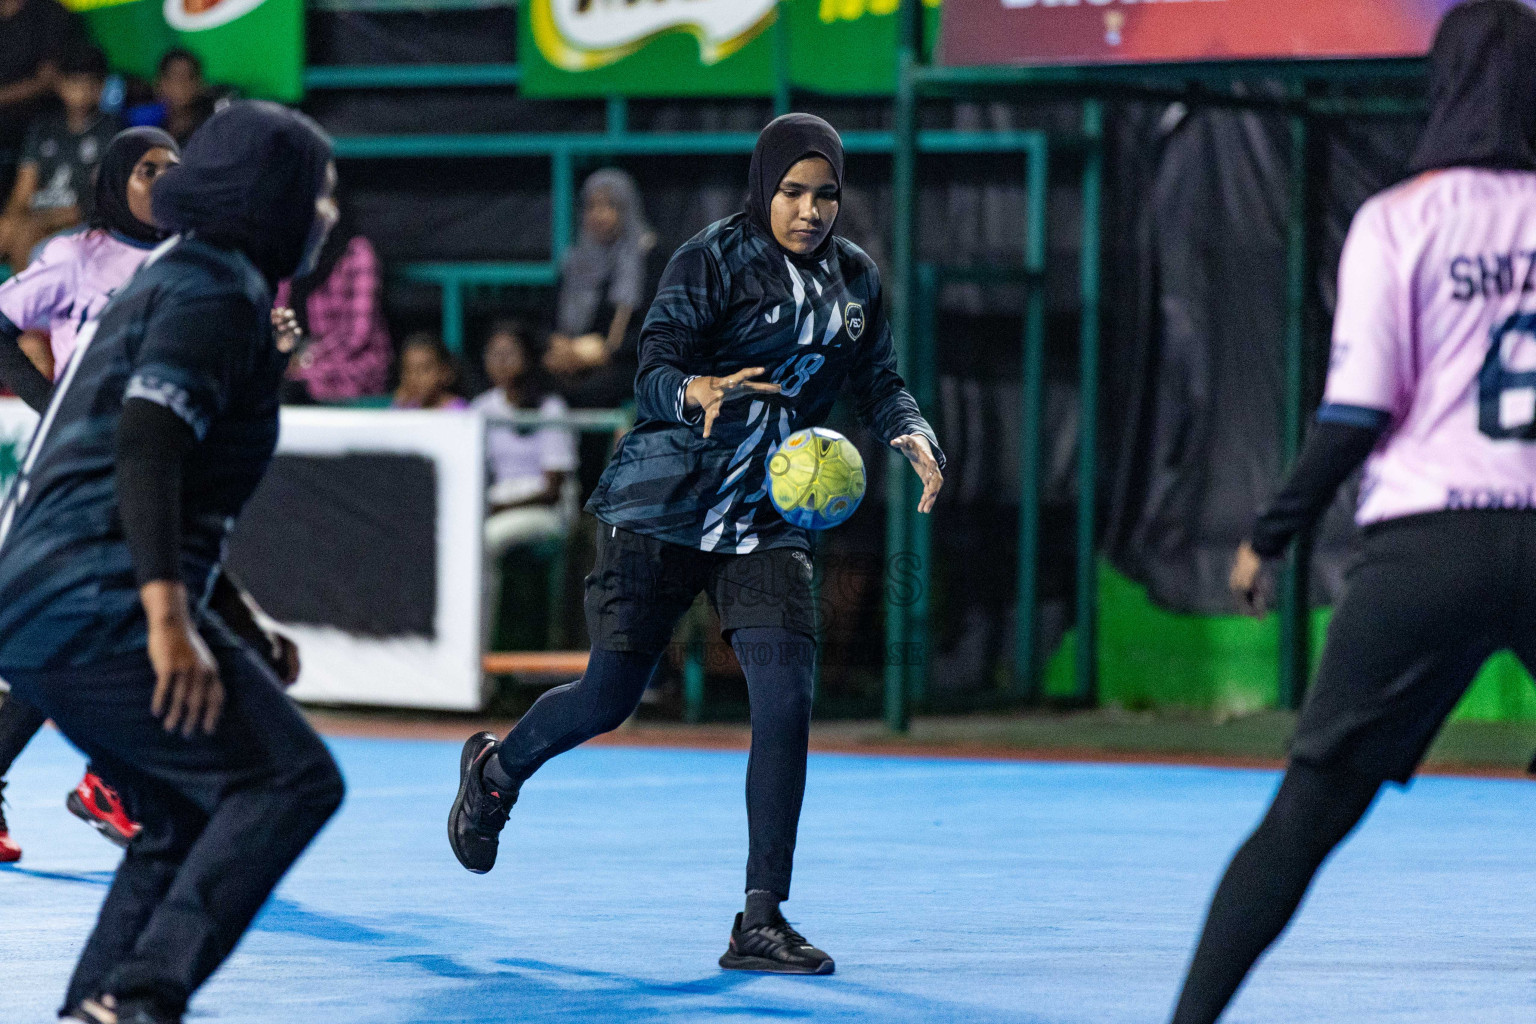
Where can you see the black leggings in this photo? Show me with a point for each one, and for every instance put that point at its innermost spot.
(224, 816)
(1313, 812)
(19, 722)
(778, 665)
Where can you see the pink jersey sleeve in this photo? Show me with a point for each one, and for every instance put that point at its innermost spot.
(29, 299)
(1371, 365)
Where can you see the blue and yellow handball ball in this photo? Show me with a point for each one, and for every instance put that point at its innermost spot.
(816, 478)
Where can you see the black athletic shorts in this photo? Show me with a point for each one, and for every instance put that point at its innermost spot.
(1427, 600)
(641, 586)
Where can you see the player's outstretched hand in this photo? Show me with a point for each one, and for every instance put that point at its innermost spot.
(188, 692)
(1247, 581)
(915, 448)
(709, 393)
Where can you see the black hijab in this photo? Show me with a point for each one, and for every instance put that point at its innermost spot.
(109, 207)
(248, 180)
(1482, 89)
(786, 141)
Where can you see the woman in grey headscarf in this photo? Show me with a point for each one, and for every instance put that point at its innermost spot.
(602, 285)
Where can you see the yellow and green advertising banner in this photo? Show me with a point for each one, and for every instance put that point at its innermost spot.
(709, 47)
(255, 46)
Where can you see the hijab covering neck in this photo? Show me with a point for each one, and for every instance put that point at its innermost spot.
(786, 141)
(109, 207)
(248, 180)
(593, 270)
(1482, 89)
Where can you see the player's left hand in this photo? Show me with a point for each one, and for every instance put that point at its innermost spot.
(284, 658)
(915, 448)
(1246, 581)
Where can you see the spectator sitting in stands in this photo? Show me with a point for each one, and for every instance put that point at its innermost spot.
(428, 373)
(601, 299)
(34, 36)
(528, 467)
(59, 159)
(344, 350)
(182, 99)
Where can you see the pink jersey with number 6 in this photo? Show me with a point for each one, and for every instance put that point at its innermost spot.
(70, 282)
(1435, 339)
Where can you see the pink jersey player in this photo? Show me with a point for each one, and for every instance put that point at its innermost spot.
(1432, 388)
(69, 283)
(1435, 339)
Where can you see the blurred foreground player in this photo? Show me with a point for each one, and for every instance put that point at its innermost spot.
(69, 283)
(683, 506)
(1434, 344)
(115, 618)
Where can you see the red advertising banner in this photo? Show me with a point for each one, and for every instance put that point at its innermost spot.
(1025, 32)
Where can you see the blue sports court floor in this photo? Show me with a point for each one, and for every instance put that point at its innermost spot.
(947, 890)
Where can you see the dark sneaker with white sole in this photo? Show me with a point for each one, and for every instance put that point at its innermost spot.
(774, 947)
(479, 813)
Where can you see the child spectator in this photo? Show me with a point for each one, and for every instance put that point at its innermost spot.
(428, 373)
(345, 349)
(528, 467)
(182, 99)
(58, 161)
(601, 299)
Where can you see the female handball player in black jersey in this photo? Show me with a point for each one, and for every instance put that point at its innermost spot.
(116, 619)
(758, 323)
(1430, 386)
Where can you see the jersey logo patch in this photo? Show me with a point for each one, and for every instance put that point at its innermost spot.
(853, 318)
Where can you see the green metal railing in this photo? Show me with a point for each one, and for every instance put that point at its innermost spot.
(403, 6)
(1211, 83)
(565, 150)
(411, 76)
(915, 288)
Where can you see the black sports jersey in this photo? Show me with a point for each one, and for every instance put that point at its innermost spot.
(731, 299)
(190, 332)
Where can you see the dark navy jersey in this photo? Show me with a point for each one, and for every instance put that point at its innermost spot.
(731, 299)
(190, 332)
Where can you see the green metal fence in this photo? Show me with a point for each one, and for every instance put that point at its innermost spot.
(1314, 90)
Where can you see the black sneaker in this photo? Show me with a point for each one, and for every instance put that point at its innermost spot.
(478, 813)
(774, 947)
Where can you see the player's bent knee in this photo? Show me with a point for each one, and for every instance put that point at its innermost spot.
(318, 785)
(328, 789)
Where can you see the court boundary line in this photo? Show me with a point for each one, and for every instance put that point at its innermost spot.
(737, 738)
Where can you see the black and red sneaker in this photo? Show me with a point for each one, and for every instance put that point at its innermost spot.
(479, 813)
(774, 947)
(98, 805)
(10, 849)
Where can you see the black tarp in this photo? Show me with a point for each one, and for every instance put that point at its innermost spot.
(1202, 402)
(346, 541)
